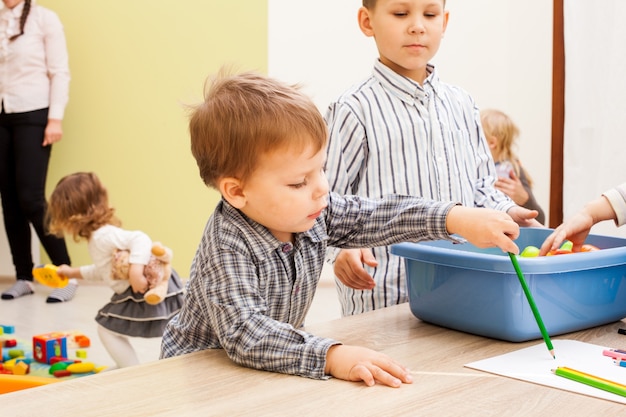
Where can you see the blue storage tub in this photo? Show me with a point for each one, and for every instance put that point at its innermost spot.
(477, 291)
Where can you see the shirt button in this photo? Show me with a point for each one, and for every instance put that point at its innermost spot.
(287, 247)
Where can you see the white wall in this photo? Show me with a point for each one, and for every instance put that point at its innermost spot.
(594, 109)
(500, 51)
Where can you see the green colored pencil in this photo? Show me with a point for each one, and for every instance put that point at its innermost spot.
(533, 306)
(593, 381)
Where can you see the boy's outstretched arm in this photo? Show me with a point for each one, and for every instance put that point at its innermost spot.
(484, 227)
(355, 363)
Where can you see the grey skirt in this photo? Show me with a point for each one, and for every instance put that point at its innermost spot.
(129, 314)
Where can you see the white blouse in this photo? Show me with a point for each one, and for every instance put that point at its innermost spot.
(34, 71)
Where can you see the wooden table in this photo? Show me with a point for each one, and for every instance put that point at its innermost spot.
(208, 384)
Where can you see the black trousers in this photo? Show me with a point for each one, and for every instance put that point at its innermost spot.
(23, 172)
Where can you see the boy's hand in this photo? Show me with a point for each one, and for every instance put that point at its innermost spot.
(349, 268)
(524, 217)
(484, 227)
(355, 363)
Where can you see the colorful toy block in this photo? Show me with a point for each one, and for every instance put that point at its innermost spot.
(9, 343)
(8, 329)
(21, 368)
(49, 345)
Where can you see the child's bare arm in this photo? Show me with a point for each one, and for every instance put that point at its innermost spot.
(137, 280)
(69, 272)
(355, 363)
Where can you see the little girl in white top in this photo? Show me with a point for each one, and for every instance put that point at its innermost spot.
(79, 206)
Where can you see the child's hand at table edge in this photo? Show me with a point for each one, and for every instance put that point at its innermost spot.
(355, 363)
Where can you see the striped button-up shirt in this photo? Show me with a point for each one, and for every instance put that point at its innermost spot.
(391, 135)
(249, 293)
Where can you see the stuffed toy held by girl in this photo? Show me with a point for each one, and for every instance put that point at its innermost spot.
(157, 271)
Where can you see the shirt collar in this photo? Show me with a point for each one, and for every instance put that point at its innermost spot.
(403, 87)
(17, 10)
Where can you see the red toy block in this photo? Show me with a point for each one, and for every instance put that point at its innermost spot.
(49, 345)
(10, 343)
(83, 341)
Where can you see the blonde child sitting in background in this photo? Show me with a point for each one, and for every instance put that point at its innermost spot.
(514, 180)
(79, 206)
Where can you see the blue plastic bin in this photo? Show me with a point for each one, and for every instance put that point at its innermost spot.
(477, 291)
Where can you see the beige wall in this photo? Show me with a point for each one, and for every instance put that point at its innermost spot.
(133, 65)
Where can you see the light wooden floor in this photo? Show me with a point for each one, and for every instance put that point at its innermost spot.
(31, 315)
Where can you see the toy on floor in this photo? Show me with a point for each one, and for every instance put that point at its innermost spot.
(157, 271)
(49, 345)
(47, 275)
(25, 365)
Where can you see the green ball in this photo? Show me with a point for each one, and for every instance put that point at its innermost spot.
(530, 252)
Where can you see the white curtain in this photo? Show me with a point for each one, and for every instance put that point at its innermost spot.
(595, 103)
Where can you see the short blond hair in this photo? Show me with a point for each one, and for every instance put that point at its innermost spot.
(247, 115)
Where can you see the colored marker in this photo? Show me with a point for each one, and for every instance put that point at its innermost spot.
(615, 353)
(533, 306)
(591, 380)
(620, 363)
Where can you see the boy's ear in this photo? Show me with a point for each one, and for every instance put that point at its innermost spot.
(232, 190)
(365, 22)
(446, 16)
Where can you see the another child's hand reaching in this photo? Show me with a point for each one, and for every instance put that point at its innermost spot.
(576, 229)
(355, 363)
(136, 278)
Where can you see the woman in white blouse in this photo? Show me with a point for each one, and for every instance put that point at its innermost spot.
(34, 87)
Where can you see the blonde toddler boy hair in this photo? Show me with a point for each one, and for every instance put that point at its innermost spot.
(247, 115)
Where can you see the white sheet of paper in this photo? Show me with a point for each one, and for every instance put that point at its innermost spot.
(534, 364)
